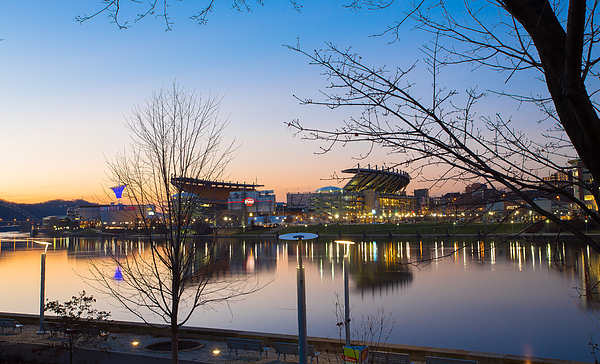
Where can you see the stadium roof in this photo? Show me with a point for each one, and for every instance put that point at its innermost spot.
(328, 189)
(385, 180)
(210, 191)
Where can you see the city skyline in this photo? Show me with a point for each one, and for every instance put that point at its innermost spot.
(68, 89)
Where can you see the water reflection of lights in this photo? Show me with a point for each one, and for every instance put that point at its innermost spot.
(118, 274)
(481, 250)
(374, 251)
(455, 251)
(250, 261)
(520, 253)
(472, 252)
(321, 270)
(523, 255)
(332, 271)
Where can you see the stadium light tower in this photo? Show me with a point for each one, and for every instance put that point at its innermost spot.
(302, 336)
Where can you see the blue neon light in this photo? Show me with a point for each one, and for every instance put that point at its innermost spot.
(118, 190)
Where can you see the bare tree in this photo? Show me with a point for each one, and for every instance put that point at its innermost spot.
(531, 35)
(373, 329)
(447, 131)
(175, 135)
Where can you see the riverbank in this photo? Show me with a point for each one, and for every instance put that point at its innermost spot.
(383, 231)
(119, 347)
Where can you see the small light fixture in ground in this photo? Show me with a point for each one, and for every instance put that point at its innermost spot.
(135, 343)
(216, 351)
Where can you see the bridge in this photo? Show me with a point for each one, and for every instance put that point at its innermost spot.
(13, 206)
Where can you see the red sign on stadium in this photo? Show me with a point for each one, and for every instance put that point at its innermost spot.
(249, 201)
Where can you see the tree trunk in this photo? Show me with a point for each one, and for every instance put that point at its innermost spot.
(174, 342)
(175, 297)
(558, 50)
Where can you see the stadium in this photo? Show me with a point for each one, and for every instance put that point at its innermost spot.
(368, 192)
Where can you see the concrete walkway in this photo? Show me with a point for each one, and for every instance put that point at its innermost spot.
(129, 348)
(119, 347)
(125, 348)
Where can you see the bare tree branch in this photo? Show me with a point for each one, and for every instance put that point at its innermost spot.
(160, 9)
(447, 134)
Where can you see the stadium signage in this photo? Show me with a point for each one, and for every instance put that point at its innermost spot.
(249, 201)
(118, 208)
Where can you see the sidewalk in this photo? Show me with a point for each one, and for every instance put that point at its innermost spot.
(119, 348)
(210, 352)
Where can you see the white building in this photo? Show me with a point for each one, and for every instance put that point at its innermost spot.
(113, 215)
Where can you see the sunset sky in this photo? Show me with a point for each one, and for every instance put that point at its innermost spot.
(66, 89)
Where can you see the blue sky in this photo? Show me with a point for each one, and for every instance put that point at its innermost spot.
(67, 88)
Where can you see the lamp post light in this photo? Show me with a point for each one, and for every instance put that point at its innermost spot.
(300, 284)
(346, 288)
(373, 212)
(42, 285)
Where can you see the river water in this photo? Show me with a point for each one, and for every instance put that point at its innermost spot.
(516, 297)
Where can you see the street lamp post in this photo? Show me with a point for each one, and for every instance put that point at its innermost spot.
(42, 286)
(346, 288)
(300, 284)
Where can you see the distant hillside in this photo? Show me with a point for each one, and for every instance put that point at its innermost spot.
(41, 210)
